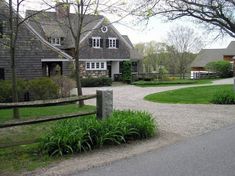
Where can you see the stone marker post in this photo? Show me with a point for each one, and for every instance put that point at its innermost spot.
(104, 103)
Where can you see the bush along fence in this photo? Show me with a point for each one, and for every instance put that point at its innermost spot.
(104, 107)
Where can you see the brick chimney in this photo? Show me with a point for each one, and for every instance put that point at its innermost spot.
(62, 9)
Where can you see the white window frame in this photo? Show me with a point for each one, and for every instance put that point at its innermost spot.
(96, 42)
(56, 41)
(97, 65)
(112, 43)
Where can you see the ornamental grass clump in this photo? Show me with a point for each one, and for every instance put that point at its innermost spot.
(224, 97)
(87, 133)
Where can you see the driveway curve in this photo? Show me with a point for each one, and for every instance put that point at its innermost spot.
(183, 119)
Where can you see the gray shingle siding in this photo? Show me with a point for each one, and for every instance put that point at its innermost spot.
(29, 52)
(87, 52)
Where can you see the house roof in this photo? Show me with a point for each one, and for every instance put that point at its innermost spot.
(52, 26)
(41, 39)
(230, 50)
(207, 55)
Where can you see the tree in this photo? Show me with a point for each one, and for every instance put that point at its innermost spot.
(154, 55)
(216, 14)
(184, 41)
(222, 68)
(11, 12)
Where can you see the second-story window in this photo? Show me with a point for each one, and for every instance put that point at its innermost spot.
(112, 43)
(56, 41)
(96, 42)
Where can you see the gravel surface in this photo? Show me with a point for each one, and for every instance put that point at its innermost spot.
(176, 122)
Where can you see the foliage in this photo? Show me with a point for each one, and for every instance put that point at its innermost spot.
(162, 73)
(72, 136)
(65, 85)
(96, 82)
(192, 95)
(216, 14)
(126, 71)
(43, 88)
(224, 97)
(222, 68)
(172, 82)
(6, 90)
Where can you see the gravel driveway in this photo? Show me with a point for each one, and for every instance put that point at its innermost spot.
(176, 122)
(183, 119)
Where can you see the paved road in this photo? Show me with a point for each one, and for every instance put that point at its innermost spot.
(212, 154)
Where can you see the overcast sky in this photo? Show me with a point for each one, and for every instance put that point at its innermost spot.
(155, 30)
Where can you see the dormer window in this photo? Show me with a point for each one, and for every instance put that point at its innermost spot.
(56, 41)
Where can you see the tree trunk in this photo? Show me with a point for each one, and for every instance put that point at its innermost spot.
(13, 36)
(78, 77)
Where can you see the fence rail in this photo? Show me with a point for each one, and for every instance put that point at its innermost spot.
(42, 103)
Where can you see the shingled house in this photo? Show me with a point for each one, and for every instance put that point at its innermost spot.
(33, 52)
(210, 55)
(103, 49)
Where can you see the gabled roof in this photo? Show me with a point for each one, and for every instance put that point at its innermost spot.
(52, 26)
(230, 50)
(40, 38)
(207, 55)
(128, 40)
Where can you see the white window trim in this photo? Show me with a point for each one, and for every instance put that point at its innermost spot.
(112, 45)
(53, 41)
(95, 64)
(97, 41)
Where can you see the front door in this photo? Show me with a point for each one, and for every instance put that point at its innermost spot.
(109, 68)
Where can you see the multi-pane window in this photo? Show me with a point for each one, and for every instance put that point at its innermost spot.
(96, 42)
(56, 41)
(112, 43)
(96, 66)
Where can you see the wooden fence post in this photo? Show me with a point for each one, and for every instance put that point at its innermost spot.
(104, 103)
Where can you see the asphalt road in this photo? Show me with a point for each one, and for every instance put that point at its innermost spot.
(212, 154)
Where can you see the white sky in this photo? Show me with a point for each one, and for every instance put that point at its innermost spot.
(156, 30)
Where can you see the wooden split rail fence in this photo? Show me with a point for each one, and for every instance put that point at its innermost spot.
(104, 107)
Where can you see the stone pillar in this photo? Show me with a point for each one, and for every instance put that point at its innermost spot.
(104, 103)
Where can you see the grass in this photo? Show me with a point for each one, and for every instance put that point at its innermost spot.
(26, 113)
(170, 83)
(26, 157)
(85, 134)
(193, 95)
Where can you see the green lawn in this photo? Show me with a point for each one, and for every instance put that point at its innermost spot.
(26, 157)
(193, 95)
(170, 83)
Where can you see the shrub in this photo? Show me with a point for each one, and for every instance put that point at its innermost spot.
(224, 97)
(65, 85)
(126, 71)
(96, 82)
(6, 90)
(87, 133)
(43, 88)
(222, 68)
